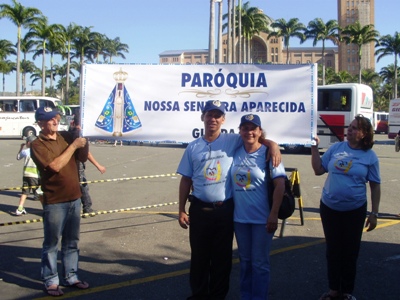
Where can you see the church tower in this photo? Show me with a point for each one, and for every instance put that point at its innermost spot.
(350, 11)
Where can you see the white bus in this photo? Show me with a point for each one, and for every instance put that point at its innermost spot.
(394, 118)
(17, 115)
(338, 104)
(380, 122)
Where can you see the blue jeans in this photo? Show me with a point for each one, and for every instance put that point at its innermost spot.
(61, 220)
(254, 244)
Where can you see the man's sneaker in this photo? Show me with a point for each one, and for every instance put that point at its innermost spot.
(20, 212)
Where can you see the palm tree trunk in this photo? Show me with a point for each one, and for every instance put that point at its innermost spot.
(24, 83)
(287, 55)
(51, 70)
(18, 59)
(323, 62)
(220, 55)
(234, 59)
(4, 85)
(211, 34)
(67, 75)
(229, 60)
(240, 59)
(395, 77)
(43, 72)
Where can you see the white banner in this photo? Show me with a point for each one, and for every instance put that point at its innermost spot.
(164, 102)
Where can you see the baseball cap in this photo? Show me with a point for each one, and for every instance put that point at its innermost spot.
(45, 113)
(214, 104)
(30, 138)
(250, 118)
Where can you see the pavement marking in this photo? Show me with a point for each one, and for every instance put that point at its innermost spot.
(100, 212)
(153, 278)
(102, 180)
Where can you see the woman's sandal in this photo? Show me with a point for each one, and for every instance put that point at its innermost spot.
(54, 290)
(82, 285)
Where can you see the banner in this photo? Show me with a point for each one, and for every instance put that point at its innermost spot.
(164, 102)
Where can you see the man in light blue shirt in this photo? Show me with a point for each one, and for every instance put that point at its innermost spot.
(205, 170)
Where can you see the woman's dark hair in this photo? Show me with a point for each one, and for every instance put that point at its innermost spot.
(364, 124)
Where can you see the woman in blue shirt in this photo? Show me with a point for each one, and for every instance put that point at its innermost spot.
(350, 165)
(254, 222)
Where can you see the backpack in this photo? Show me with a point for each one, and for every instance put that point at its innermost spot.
(288, 202)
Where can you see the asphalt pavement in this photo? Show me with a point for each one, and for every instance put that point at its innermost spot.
(133, 248)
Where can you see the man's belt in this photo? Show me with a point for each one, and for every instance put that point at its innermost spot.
(202, 203)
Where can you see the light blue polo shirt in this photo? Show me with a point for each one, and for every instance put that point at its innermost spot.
(208, 165)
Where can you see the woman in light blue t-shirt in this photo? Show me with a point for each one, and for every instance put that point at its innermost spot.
(254, 222)
(343, 207)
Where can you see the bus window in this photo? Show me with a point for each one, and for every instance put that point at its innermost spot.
(10, 105)
(46, 103)
(27, 105)
(334, 100)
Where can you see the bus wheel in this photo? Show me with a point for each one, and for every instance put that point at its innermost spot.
(293, 149)
(28, 131)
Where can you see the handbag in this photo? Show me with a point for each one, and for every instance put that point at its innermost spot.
(288, 202)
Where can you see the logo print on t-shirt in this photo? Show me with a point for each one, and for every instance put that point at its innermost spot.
(243, 179)
(212, 171)
(343, 165)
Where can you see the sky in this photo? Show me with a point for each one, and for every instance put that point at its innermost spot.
(150, 27)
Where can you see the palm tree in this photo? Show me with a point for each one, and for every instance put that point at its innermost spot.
(27, 66)
(43, 34)
(56, 45)
(286, 30)
(229, 32)
(253, 21)
(385, 94)
(320, 31)
(6, 49)
(380, 103)
(6, 67)
(81, 44)
(70, 33)
(114, 48)
(359, 35)
(240, 37)
(211, 34)
(329, 75)
(390, 45)
(61, 71)
(26, 47)
(99, 45)
(38, 75)
(21, 16)
(388, 74)
(343, 77)
(369, 77)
